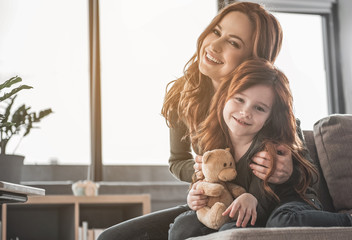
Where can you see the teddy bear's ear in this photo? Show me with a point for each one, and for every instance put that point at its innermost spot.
(227, 149)
(206, 156)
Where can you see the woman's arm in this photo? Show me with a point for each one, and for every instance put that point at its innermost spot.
(181, 159)
(182, 165)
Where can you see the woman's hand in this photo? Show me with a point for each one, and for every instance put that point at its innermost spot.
(198, 166)
(245, 207)
(196, 198)
(284, 165)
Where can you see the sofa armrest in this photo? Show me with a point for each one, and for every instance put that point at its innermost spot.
(289, 233)
(333, 140)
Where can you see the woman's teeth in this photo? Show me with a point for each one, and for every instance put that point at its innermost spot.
(213, 59)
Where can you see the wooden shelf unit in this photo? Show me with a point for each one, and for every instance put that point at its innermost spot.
(58, 217)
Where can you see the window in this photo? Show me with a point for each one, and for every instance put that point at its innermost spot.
(302, 60)
(46, 43)
(309, 56)
(144, 45)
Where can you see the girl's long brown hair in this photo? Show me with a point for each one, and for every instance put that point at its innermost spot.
(280, 127)
(189, 97)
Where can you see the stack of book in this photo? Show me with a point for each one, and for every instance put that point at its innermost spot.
(85, 233)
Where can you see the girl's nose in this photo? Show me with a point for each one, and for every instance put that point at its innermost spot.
(246, 114)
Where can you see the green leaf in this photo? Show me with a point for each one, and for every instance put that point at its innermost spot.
(14, 91)
(10, 82)
(21, 121)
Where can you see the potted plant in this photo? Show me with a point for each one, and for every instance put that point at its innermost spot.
(14, 122)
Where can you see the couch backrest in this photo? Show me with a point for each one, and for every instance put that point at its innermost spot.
(320, 187)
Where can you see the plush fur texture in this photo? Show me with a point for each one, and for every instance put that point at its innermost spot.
(218, 168)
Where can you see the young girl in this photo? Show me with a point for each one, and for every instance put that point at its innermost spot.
(250, 112)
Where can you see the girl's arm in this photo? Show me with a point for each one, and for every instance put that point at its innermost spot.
(255, 206)
(196, 198)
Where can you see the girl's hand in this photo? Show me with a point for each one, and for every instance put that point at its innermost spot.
(245, 207)
(196, 198)
(284, 165)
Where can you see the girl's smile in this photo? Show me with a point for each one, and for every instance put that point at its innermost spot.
(241, 122)
(246, 112)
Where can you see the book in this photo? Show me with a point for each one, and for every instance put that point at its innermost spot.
(84, 230)
(90, 234)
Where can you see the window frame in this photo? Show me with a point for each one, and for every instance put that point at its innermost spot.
(326, 8)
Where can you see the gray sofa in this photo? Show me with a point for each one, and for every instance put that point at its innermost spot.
(330, 146)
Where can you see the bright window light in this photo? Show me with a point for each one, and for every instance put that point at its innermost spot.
(144, 45)
(302, 60)
(46, 43)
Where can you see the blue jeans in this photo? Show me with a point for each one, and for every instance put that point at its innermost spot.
(151, 226)
(301, 214)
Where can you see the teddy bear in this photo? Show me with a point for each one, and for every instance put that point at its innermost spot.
(218, 168)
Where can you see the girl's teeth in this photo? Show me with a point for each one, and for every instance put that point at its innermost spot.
(242, 122)
(213, 59)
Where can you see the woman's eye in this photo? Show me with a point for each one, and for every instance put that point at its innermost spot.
(216, 32)
(234, 44)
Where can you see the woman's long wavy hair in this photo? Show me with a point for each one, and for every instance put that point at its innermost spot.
(189, 97)
(280, 127)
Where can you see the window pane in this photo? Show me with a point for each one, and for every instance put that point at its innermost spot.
(46, 43)
(144, 45)
(302, 60)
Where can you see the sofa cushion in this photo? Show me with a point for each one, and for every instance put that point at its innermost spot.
(333, 139)
(320, 186)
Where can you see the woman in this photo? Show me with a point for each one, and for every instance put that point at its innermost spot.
(238, 32)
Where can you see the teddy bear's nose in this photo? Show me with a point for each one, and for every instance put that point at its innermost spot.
(227, 174)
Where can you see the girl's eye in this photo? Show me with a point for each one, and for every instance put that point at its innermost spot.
(234, 44)
(238, 99)
(216, 32)
(260, 109)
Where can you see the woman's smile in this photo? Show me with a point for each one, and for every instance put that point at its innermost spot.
(212, 59)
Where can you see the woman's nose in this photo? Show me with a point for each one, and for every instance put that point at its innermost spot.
(216, 45)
